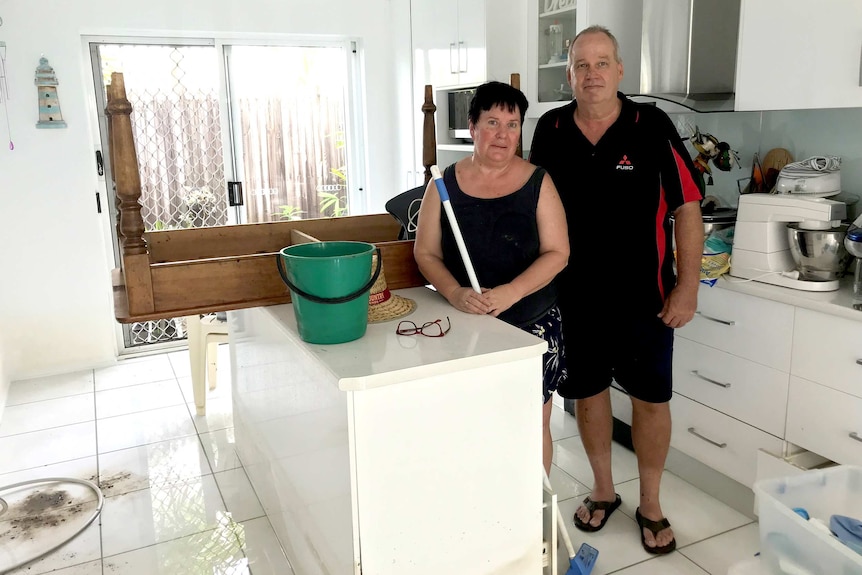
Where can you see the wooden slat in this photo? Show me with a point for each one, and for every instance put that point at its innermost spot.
(200, 243)
(237, 282)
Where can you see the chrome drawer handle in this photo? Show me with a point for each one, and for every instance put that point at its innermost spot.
(859, 362)
(854, 435)
(715, 319)
(708, 440)
(718, 383)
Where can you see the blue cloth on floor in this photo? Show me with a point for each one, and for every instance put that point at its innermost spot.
(848, 530)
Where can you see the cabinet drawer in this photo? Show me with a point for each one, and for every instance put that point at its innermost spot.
(825, 421)
(828, 350)
(738, 387)
(751, 327)
(726, 444)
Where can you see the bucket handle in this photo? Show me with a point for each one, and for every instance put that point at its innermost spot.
(340, 299)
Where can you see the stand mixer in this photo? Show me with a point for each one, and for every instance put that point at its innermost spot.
(761, 245)
(853, 243)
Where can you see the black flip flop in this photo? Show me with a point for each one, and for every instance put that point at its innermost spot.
(607, 506)
(655, 527)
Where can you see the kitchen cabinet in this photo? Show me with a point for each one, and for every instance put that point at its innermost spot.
(795, 55)
(448, 42)
(824, 412)
(731, 379)
(545, 82)
(374, 455)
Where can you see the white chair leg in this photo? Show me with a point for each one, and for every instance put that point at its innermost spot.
(212, 364)
(197, 351)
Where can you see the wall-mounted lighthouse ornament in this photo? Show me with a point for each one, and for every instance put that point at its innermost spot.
(49, 104)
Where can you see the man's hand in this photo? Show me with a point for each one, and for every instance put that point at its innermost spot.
(679, 307)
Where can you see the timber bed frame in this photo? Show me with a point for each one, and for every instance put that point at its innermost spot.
(175, 273)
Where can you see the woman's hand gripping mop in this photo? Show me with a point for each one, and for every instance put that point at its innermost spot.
(581, 563)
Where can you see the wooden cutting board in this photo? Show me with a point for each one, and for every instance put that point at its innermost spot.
(773, 161)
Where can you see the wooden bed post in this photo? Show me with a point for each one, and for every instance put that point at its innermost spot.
(135, 264)
(515, 82)
(429, 133)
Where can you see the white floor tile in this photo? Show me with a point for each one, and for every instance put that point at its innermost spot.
(219, 414)
(134, 398)
(160, 514)
(144, 427)
(563, 424)
(693, 514)
(39, 389)
(220, 447)
(55, 445)
(717, 554)
(672, 564)
(152, 465)
(214, 551)
(565, 486)
(46, 414)
(84, 468)
(77, 557)
(134, 371)
(222, 390)
(618, 542)
(569, 455)
(238, 495)
(265, 556)
(180, 363)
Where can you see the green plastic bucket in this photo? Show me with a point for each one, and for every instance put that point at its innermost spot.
(329, 286)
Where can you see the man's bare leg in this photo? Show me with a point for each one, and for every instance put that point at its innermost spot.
(595, 423)
(651, 439)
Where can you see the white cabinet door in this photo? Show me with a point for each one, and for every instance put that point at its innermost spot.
(435, 42)
(471, 42)
(448, 42)
(828, 350)
(799, 54)
(747, 326)
(825, 421)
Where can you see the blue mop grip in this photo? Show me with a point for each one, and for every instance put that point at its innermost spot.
(441, 185)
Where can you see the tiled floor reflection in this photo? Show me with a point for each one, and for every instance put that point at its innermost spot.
(178, 501)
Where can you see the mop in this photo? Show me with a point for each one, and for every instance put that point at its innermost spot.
(581, 563)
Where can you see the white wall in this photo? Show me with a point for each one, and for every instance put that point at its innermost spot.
(55, 288)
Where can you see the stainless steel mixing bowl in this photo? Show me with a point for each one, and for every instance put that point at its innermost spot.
(820, 255)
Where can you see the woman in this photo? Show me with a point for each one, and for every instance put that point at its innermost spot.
(514, 228)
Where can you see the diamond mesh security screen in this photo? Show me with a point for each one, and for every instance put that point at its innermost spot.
(176, 123)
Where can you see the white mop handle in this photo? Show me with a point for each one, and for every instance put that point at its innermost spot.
(456, 231)
(561, 523)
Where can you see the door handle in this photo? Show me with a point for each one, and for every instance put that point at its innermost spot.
(234, 193)
(453, 67)
(695, 373)
(461, 45)
(715, 319)
(854, 435)
(708, 440)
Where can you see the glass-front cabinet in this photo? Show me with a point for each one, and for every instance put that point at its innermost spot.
(555, 23)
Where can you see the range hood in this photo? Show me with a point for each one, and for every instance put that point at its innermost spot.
(688, 52)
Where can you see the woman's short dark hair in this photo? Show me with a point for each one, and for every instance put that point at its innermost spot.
(492, 94)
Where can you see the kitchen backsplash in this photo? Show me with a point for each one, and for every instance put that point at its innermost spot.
(805, 133)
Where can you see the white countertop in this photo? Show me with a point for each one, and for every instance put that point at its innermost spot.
(839, 302)
(381, 357)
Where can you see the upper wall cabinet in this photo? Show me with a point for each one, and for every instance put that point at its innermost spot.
(795, 54)
(449, 46)
(552, 24)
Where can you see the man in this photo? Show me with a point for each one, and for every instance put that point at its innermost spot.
(622, 171)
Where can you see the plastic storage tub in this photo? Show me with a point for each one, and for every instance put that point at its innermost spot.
(789, 543)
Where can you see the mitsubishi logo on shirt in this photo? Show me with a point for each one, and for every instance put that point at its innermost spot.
(625, 164)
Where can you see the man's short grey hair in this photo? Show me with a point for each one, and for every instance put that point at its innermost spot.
(597, 29)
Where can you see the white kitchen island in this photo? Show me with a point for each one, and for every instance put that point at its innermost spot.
(394, 455)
